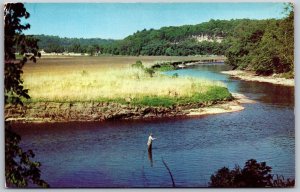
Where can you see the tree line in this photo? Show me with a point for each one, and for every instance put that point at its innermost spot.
(50, 43)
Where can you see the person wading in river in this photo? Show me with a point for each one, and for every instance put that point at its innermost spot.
(150, 139)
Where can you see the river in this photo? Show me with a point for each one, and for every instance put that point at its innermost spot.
(114, 154)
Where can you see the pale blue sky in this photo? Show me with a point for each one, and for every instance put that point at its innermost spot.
(118, 20)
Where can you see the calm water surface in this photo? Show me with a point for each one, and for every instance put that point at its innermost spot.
(114, 154)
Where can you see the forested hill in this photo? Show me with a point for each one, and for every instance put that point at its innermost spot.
(201, 39)
(57, 44)
(212, 29)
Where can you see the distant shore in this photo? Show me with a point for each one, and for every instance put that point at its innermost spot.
(250, 76)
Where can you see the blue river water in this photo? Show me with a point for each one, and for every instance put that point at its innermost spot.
(114, 154)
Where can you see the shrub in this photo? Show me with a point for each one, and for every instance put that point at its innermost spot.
(166, 67)
(149, 71)
(253, 174)
(138, 64)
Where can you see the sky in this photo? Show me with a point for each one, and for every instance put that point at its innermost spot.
(118, 20)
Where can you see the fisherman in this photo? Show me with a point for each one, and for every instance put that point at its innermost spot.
(150, 139)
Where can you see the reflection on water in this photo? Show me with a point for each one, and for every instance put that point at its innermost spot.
(150, 157)
(114, 154)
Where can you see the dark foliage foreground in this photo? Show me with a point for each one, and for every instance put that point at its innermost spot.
(20, 170)
(254, 174)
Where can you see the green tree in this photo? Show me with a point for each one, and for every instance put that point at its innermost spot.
(264, 59)
(169, 51)
(286, 41)
(244, 39)
(275, 51)
(14, 40)
(264, 46)
(20, 171)
(254, 174)
(91, 50)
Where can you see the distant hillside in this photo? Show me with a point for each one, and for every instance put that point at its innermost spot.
(202, 39)
(213, 28)
(79, 45)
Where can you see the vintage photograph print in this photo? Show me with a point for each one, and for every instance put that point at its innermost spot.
(149, 95)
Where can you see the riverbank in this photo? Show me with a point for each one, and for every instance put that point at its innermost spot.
(250, 76)
(175, 65)
(225, 107)
(103, 111)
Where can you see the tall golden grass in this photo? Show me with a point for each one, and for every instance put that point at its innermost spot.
(79, 83)
(111, 83)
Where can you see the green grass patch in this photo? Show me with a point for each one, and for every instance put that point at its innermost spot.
(154, 101)
(215, 93)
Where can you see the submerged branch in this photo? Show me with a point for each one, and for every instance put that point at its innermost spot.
(165, 164)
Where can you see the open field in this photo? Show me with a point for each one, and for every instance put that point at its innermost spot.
(63, 64)
(99, 79)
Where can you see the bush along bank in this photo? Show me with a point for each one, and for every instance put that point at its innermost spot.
(168, 66)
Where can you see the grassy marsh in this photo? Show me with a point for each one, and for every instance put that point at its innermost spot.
(116, 82)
